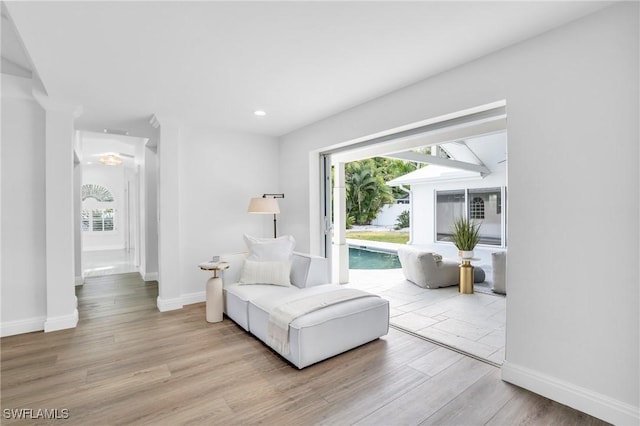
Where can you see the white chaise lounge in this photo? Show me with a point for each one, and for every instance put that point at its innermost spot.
(316, 335)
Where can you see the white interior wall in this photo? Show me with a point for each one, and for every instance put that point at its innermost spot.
(77, 209)
(149, 269)
(62, 312)
(219, 172)
(23, 286)
(572, 103)
(169, 199)
(206, 179)
(130, 211)
(77, 221)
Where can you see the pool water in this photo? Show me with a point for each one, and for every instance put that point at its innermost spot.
(362, 258)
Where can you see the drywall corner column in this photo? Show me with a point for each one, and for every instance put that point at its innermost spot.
(169, 289)
(62, 310)
(77, 219)
(150, 189)
(340, 264)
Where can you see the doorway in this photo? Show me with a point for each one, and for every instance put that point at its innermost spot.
(110, 204)
(467, 154)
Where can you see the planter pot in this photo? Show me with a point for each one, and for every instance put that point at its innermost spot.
(465, 254)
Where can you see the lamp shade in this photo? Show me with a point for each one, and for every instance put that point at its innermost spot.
(264, 206)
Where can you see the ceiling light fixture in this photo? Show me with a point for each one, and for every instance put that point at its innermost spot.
(259, 113)
(110, 159)
(116, 132)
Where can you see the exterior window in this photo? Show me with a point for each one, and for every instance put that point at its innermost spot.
(476, 209)
(98, 212)
(449, 206)
(483, 205)
(102, 220)
(97, 192)
(86, 222)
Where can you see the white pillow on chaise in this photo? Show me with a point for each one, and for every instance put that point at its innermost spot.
(269, 261)
(270, 249)
(266, 272)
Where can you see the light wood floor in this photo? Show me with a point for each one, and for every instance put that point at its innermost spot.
(127, 363)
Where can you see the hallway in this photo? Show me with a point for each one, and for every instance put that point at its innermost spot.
(108, 262)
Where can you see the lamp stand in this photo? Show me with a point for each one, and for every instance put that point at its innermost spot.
(274, 226)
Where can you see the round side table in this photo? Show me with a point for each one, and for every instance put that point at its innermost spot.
(214, 290)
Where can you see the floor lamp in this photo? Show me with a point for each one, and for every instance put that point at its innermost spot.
(267, 204)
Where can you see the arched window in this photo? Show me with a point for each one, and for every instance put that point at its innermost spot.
(97, 211)
(97, 192)
(476, 208)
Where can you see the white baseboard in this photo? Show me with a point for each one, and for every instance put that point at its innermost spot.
(149, 276)
(190, 298)
(593, 403)
(179, 302)
(79, 281)
(61, 322)
(29, 325)
(169, 304)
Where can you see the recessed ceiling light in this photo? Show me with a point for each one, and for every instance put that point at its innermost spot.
(259, 113)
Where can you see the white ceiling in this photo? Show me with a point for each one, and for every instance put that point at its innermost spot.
(215, 63)
(95, 145)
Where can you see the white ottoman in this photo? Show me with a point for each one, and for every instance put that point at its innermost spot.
(328, 331)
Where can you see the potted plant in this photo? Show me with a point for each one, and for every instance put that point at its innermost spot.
(465, 236)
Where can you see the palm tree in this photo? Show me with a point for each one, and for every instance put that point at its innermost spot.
(366, 191)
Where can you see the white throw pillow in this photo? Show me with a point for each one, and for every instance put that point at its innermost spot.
(266, 272)
(270, 249)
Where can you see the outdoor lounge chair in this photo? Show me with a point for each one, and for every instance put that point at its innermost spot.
(427, 269)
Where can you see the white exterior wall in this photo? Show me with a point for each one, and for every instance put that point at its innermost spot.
(23, 286)
(572, 101)
(424, 233)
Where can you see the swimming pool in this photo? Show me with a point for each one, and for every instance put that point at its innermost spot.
(364, 258)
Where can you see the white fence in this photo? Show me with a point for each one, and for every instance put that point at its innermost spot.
(388, 216)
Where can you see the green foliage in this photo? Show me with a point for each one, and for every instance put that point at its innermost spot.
(465, 234)
(390, 169)
(403, 220)
(366, 188)
(366, 191)
(350, 221)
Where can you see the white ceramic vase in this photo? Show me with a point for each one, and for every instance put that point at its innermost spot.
(466, 254)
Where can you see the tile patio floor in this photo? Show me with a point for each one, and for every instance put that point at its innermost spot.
(472, 323)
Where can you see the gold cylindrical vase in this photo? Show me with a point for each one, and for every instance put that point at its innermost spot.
(466, 277)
